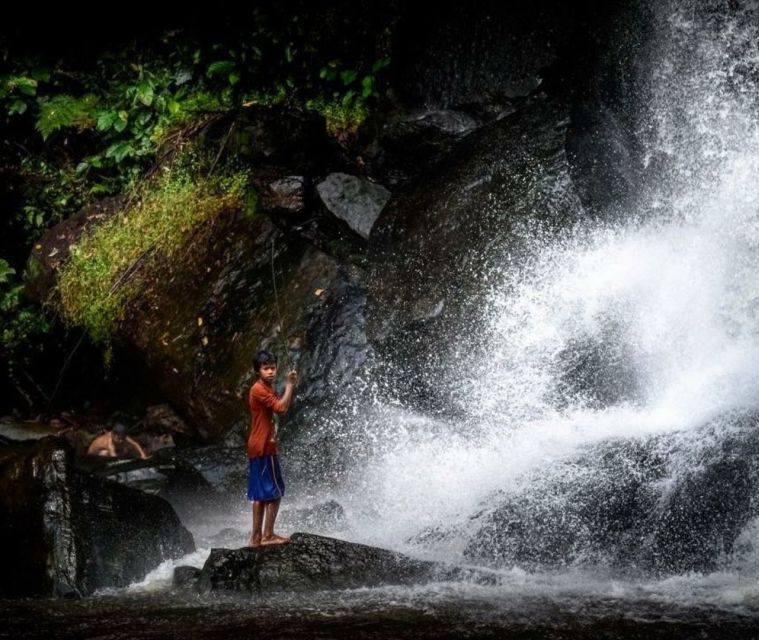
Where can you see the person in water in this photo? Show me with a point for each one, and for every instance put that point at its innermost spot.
(265, 484)
(115, 443)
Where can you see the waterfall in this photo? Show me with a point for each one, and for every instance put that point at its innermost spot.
(618, 372)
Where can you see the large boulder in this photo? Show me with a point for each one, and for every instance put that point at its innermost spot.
(437, 246)
(238, 283)
(309, 563)
(64, 532)
(667, 504)
(201, 319)
(165, 474)
(404, 144)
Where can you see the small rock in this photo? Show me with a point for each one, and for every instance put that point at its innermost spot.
(186, 578)
(287, 195)
(353, 200)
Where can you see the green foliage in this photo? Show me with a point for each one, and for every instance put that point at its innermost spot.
(106, 126)
(72, 135)
(53, 192)
(342, 114)
(352, 94)
(20, 322)
(61, 111)
(110, 263)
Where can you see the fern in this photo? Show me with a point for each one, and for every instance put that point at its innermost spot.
(63, 111)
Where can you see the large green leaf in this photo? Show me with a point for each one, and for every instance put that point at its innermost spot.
(348, 76)
(119, 151)
(220, 67)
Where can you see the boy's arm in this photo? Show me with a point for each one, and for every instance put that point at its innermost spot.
(270, 399)
(137, 446)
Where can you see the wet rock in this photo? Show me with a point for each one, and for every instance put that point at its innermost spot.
(337, 352)
(354, 200)
(65, 532)
(186, 578)
(309, 563)
(435, 246)
(164, 475)
(326, 516)
(611, 94)
(163, 418)
(408, 143)
(285, 195)
(667, 504)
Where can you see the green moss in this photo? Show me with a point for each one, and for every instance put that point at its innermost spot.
(108, 265)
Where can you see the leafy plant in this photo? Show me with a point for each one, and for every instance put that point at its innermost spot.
(20, 322)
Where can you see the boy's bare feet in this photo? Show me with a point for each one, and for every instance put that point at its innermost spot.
(255, 541)
(274, 539)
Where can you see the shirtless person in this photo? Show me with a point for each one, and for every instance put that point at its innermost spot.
(115, 443)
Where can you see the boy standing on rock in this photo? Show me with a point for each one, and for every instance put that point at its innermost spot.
(265, 484)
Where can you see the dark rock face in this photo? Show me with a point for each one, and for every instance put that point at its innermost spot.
(656, 505)
(610, 104)
(200, 324)
(64, 532)
(462, 54)
(271, 137)
(309, 563)
(434, 245)
(337, 349)
(164, 474)
(407, 144)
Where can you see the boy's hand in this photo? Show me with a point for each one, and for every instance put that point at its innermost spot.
(292, 377)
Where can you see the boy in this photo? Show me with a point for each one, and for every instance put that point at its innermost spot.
(265, 485)
(115, 443)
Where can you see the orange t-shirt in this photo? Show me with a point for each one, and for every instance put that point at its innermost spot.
(263, 402)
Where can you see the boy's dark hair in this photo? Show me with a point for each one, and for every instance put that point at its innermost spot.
(120, 429)
(263, 357)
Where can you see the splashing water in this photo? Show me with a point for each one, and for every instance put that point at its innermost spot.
(608, 332)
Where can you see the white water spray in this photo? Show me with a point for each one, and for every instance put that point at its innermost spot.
(609, 332)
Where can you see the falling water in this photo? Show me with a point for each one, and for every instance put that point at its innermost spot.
(643, 332)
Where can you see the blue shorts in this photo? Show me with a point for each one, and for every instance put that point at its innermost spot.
(265, 479)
